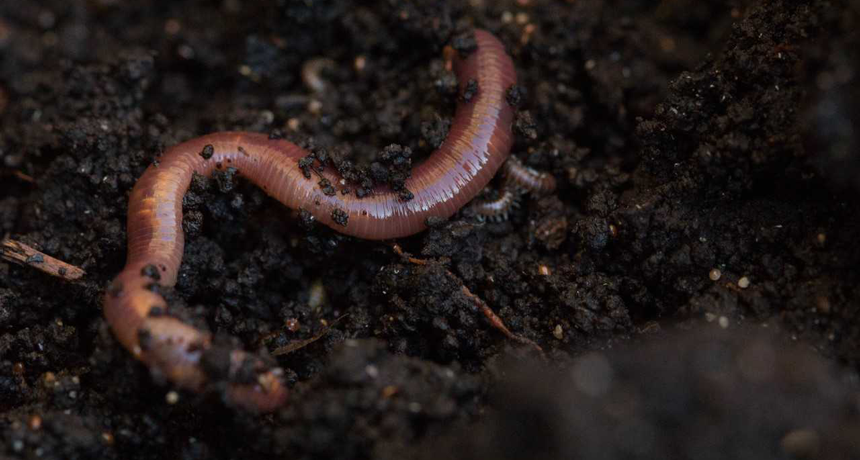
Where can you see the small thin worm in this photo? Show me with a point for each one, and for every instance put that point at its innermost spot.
(478, 143)
(518, 179)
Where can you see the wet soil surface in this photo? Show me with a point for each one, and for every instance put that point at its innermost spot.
(693, 279)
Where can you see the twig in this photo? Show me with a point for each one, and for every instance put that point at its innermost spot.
(299, 344)
(494, 319)
(19, 174)
(497, 322)
(399, 251)
(20, 253)
(24, 177)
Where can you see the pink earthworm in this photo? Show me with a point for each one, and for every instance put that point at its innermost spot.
(477, 144)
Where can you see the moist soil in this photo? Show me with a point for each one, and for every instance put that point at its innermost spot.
(692, 280)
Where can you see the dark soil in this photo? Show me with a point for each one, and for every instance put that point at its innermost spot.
(686, 137)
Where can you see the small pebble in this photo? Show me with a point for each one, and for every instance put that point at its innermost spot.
(360, 63)
(715, 275)
(724, 322)
(558, 332)
(822, 239)
(744, 282)
(171, 397)
(371, 371)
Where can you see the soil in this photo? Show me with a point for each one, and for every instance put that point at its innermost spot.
(692, 281)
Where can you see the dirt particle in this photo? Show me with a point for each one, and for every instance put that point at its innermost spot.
(151, 271)
(715, 274)
(371, 371)
(470, 90)
(525, 126)
(389, 391)
(327, 188)
(521, 18)
(744, 282)
(35, 259)
(434, 132)
(434, 221)
(359, 63)
(207, 151)
(464, 44)
(515, 96)
(49, 379)
(340, 217)
(34, 422)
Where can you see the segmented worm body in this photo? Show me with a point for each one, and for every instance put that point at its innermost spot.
(518, 180)
(527, 179)
(499, 208)
(477, 145)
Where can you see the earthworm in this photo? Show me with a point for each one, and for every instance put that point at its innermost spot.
(478, 144)
(518, 179)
